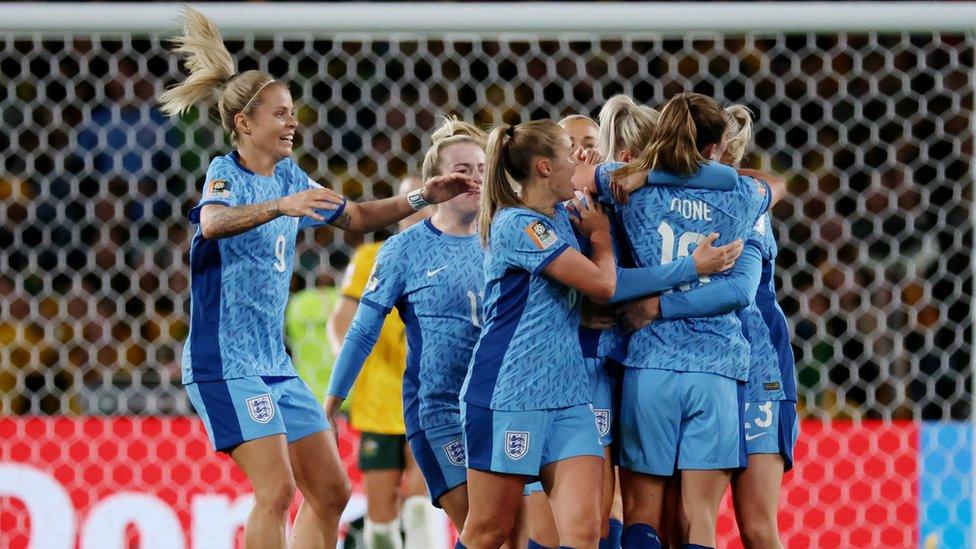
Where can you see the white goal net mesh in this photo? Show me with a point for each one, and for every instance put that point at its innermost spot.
(873, 131)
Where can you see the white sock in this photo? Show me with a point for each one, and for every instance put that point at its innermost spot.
(382, 535)
(421, 525)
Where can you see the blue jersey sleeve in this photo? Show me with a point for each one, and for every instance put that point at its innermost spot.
(388, 279)
(300, 181)
(763, 197)
(360, 339)
(603, 175)
(644, 281)
(720, 296)
(526, 240)
(712, 176)
(223, 186)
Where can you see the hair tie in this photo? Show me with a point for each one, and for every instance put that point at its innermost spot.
(510, 131)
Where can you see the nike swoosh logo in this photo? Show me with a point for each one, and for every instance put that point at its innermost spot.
(431, 273)
(756, 436)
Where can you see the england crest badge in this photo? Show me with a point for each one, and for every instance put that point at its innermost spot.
(602, 421)
(455, 452)
(261, 408)
(516, 444)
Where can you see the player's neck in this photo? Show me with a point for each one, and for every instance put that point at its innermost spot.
(255, 160)
(538, 196)
(454, 224)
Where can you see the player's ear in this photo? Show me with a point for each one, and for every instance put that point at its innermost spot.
(241, 123)
(544, 166)
(707, 151)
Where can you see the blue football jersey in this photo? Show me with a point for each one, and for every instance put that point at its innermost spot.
(435, 281)
(239, 284)
(528, 356)
(663, 223)
(771, 362)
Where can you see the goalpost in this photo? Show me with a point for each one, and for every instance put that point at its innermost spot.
(866, 108)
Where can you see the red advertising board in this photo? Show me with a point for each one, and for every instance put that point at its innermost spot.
(154, 482)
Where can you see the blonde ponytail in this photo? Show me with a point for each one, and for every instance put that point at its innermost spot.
(207, 59)
(212, 71)
(624, 125)
(739, 132)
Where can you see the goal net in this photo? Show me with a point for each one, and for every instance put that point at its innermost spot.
(873, 129)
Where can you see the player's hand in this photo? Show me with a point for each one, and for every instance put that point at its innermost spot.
(591, 217)
(596, 316)
(621, 187)
(634, 315)
(332, 405)
(305, 203)
(587, 157)
(711, 259)
(442, 188)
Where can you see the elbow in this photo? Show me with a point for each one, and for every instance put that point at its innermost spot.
(604, 292)
(742, 298)
(208, 231)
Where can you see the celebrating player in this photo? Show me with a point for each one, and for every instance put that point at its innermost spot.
(376, 411)
(686, 424)
(582, 130)
(235, 368)
(770, 402)
(432, 274)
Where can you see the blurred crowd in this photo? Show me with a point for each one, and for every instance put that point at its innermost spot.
(874, 133)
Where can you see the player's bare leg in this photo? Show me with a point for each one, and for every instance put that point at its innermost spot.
(539, 521)
(322, 479)
(643, 498)
(755, 496)
(575, 486)
(673, 521)
(382, 488)
(455, 504)
(701, 495)
(265, 462)
(493, 501)
(609, 483)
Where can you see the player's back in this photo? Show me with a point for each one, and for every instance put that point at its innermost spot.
(664, 223)
(528, 356)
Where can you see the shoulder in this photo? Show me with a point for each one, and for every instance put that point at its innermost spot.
(509, 222)
(604, 174)
(223, 167)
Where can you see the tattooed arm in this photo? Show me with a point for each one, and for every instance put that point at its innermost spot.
(373, 215)
(219, 221)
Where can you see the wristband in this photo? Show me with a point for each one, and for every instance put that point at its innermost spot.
(416, 199)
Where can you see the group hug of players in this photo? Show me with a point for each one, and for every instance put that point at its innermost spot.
(570, 319)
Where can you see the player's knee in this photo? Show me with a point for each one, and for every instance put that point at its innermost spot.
(760, 534)
(335, 497)
(486, 533)
(581, 533)
(276, 499)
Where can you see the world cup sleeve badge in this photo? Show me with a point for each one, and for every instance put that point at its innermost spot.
(541, 236)
(217, 188)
